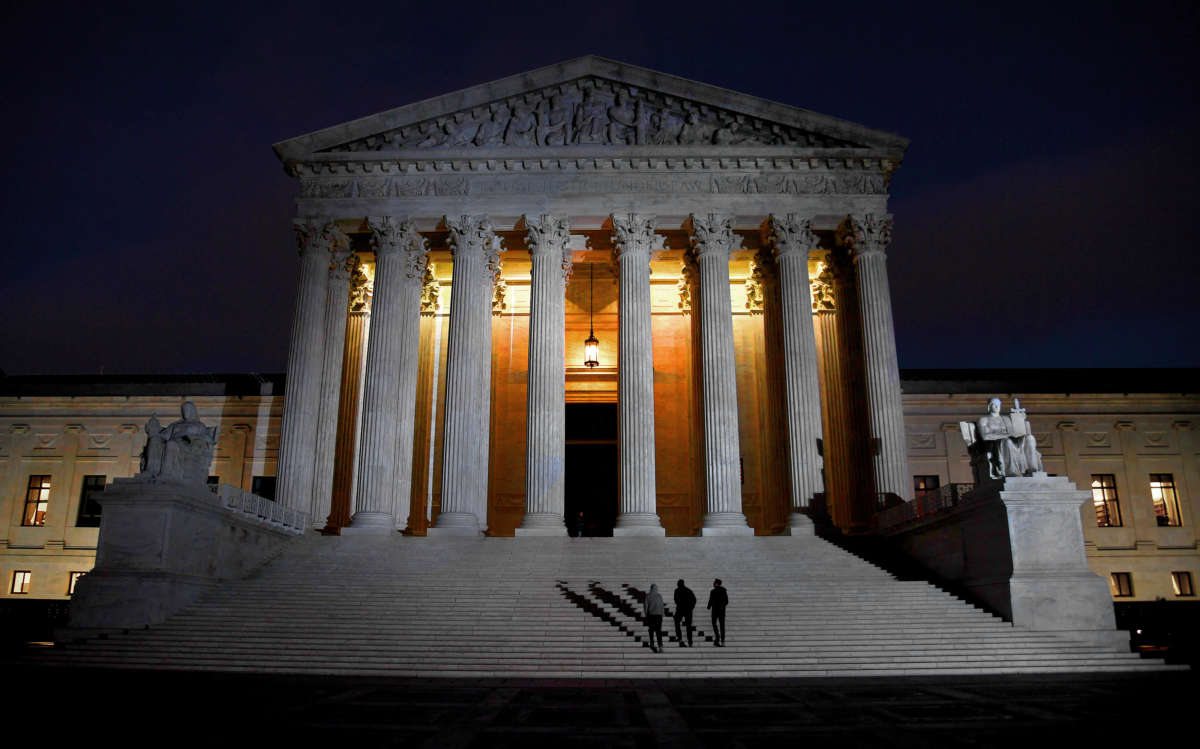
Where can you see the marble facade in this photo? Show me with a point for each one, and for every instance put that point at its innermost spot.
(503, 189)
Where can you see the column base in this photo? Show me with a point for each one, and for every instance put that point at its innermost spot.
(541, 524)
(455, 524)
(639, 524)
(725, 524)
(369, 524)
(800, 524)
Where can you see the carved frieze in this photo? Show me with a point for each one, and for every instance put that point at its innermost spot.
(590, 111)
(551, 183)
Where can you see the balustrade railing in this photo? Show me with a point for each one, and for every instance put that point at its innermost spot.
(927, 503)
(241, 501)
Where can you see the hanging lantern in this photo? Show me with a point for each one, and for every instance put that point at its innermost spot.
(591, 347)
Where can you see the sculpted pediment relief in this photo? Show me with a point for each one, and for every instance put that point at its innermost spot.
(591, 111)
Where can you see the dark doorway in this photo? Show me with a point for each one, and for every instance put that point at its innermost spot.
(592, 469)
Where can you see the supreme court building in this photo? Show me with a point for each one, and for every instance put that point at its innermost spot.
(727, 253)
(596, 299)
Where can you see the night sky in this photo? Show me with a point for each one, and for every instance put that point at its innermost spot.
(1045, 214)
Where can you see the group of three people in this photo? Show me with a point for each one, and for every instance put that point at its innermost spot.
(685, 602)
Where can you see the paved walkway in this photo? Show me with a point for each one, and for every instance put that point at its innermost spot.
(144, 707)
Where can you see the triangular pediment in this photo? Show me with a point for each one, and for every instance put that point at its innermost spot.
(588, 102)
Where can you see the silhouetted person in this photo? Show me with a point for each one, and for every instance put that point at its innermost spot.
(685, 602)
(718, 599)
(654, 613)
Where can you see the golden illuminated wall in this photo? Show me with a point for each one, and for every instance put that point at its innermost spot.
(678, 432)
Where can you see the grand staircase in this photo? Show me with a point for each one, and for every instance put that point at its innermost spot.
(571, 608)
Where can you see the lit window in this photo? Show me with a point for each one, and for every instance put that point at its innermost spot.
(89, 508)
(925, 483)
(73, 578)
(1182, 583)
(1122, 585)
(1104, 498)
(1166, 503)
(20, 582)
(37, 499)
(263, 486)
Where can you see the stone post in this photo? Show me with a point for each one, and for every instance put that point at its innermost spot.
(388, 396)
(340, 266)
(869, 236)
(298, 433)
(476, 251)
(793, 239)
(634, 240)
(546, 455)
(712, 240)
(341, 503)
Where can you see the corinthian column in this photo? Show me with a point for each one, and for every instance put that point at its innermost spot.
(634, 240)
(712, 240)
(298, 434)
(868, 237)
(476, 251)
(545, 455)
(390, 380)
(336, 299)
(792, 239)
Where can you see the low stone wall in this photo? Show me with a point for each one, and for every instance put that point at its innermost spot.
(164, 544)
(1018, 546)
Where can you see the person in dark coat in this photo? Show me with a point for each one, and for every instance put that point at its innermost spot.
(718, 599)
(654, 608)
(685, 602)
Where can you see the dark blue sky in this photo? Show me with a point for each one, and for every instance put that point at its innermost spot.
(1045, 212)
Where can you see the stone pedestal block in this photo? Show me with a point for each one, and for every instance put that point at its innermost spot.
(1018, 546)
(1052, 587)
(162, 545)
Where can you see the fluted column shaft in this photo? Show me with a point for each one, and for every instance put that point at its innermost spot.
(400, 256)
(634, 239)
(872, 235)
(341, 503)
(545, 454)
(793, 239)
(712, 241)
(298, 432)
(476, 252)
(336, 300)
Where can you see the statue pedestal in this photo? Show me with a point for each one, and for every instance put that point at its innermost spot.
(1051, 587)
(1017, 545)
(162, 545)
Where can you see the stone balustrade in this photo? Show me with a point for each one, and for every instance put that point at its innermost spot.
(254, 507)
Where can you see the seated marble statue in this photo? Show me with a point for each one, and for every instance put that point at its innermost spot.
(182, 451)
(1001, 444)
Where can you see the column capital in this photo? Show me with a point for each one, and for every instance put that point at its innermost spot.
(790, 235)
(391, 235)
(475, 235)
(550, 236)
(361, 288)
(821, 286)
(868, 234)
(634, 232)
(712, 234)
(319, 234)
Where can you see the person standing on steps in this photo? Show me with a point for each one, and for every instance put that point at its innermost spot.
(718, 599)
(685, 601)
(654, 608)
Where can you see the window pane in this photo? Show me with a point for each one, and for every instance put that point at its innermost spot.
(1166, 503)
